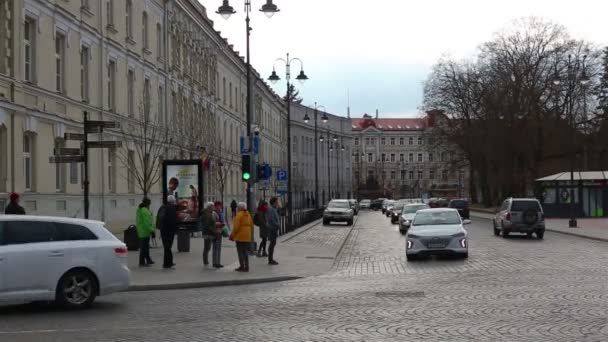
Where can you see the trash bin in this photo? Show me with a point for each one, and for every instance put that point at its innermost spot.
(183, 240)
(131, 239)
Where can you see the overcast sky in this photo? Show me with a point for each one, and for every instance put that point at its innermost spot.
(381, 51)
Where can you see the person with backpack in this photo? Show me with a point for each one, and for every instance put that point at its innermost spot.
(259, 219)
(167, 223)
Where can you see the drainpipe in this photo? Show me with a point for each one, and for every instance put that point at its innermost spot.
(101, 98)
(12, 150)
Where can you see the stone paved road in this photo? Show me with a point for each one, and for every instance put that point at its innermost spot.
(516, 289)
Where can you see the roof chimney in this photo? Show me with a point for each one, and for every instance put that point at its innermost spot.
(376, 113)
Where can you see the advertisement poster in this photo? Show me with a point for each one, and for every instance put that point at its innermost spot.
(183, 181)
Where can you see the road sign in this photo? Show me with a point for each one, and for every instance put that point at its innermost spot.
(104, 144)
(67, 151)
(282, 175)
(73, 136)
(104, 124)
(264, 184)
(66, 159)
(282, 187)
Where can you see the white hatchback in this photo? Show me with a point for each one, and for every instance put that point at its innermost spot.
(70, 261)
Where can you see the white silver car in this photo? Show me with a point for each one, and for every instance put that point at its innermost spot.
(407, 215)
(437, 232)
(70, 261)
(338, 211)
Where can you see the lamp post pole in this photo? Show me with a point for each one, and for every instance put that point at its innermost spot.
(302, 78)
(324, 119)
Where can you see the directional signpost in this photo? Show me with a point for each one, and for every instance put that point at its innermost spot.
(67, 152)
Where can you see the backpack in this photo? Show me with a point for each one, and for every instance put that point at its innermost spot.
(256, 219)
(160, 216)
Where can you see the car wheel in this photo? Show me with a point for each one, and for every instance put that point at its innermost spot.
(540, 234)
(350, 223)
(77, 289)
(529, 234)
(411, 257)
(464, 255)
(325, 222)
(505, 233)
(496, 230)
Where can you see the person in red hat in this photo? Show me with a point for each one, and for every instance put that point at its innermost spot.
(13, 208)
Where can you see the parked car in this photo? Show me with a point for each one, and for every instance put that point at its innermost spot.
(389, 207)
(338, 211)
(385, 204)
(377, 204)
(365, 204)
(462, 206)
(407, 215)
(396, 212)
(354, 206)
(70, 261)
(520, 215)
(437, 232)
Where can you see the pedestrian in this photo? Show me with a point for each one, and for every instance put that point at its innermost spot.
(212, 227)
(233, 208)
(13, 207)
(145, 228)
(241, 234)
(260, 220)
(273, 223)
(168, 228)
(307, 202)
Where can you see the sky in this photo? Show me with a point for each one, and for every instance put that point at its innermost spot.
(376, 54)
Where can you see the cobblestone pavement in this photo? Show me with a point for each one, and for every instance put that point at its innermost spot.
(515, 289)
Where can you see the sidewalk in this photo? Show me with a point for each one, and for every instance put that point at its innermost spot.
(308, 251)
(588, 228)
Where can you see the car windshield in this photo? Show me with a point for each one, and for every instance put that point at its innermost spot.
(398, 206)
(459, 204)
(435, 218)
(412, 209)
(339, 205)
(525, 205)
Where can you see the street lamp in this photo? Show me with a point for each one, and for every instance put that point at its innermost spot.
(302, 78)
(225, 10)
(306, 120)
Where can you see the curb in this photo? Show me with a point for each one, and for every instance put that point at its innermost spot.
(344, 242)
(578, 235)
(311, 225)
(195, 285)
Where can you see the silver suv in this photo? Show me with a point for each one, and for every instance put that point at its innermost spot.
(520, 215)
(338, 211)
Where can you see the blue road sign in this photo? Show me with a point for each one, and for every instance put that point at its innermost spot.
(282, 175)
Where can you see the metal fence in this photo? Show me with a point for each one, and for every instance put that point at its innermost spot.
(300, 218)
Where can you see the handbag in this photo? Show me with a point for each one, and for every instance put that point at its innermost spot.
(225, 231)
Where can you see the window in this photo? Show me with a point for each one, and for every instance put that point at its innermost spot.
(367, 141)
(392, 141)
(419, 174)
(111, 170)
(110, 13)
(373, 141)
(411, 157)
(401, 141)
(383, 157)
(59, 169)
(84, 73)
(230, 94)
(113, 204)
(444, 175)
(432, 174)
(73, 173)
(420, 157)
(112, 85)
(370, 157)
(382, 141)
(370, 173)
(85, 4)
(420, 141)
(147, 99)
(61, 205)
(130, 92)
(29, 56)
(144, 22)
(161, 104)
(356, 141)
(402, 157)
(411, 175)
(159, 41)
(131, 173)
(28, 152)
(72, 232)
(402, 174)
(383, 174)
(129, 18)
(22, 232)
(392, 157)
(411, 141)
(393, 174)
(430, 157)
(224, 89)
(60, 63)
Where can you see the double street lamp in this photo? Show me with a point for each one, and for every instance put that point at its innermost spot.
(288, 98)
(325, 119)
(225, 10)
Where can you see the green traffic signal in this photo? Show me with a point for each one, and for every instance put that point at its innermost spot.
(246, 176)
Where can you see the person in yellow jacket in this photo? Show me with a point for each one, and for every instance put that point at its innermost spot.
(241, 233)
(145, 228)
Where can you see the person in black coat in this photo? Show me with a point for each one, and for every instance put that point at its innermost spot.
(168, 229)
(13, 207)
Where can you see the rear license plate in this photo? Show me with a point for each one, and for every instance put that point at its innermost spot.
(436, 245)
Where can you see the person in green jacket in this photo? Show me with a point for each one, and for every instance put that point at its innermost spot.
(145, 228)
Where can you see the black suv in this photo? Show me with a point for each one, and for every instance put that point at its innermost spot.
(462, 206)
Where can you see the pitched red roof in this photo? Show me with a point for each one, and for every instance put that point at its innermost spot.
(388, 124)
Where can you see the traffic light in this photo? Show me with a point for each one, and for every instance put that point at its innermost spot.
(246, 167)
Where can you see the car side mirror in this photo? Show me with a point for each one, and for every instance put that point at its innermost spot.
(466, 222)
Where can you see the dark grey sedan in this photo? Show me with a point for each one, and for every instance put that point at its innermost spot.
(437, 232)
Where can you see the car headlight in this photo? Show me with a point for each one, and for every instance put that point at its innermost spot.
(409, 244)
(463, 243)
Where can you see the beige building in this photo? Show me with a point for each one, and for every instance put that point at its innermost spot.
(130, 61)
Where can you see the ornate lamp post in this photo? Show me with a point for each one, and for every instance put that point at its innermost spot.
(325, 119)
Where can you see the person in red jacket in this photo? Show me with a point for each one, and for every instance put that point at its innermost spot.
(13, 207)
